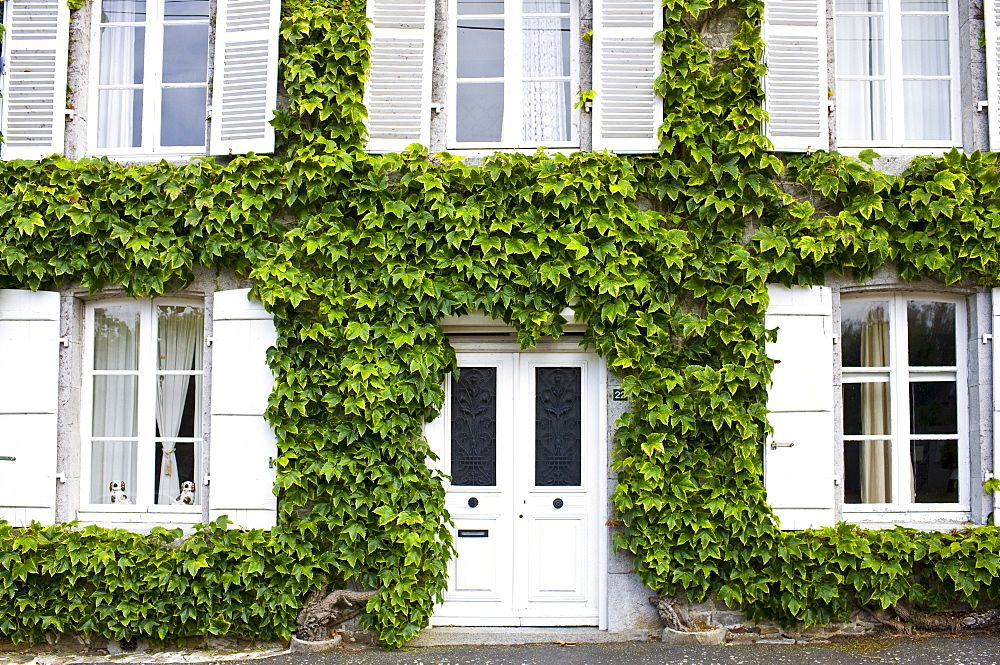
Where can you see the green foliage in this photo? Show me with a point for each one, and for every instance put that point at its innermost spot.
(357, 256)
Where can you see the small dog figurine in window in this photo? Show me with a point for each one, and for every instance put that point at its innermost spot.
(118, 495)
(187, 493)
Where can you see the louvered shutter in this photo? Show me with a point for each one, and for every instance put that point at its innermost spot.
(29, 396)
(245, 78)
(795, 87)
(242, 445)
(398, 93)
(992, 21)
(627, 113)
(799, 458)
(33, 107)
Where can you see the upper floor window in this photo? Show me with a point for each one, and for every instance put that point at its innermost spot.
(152, 63)
(147, 91)
(904, 404)
(515, 73)
(511, 76)
(896, 72)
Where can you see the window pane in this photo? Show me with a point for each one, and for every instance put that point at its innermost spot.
(176, 472)
(935, 471)
(479, 111)
(122, 52)
(933, 407)
(474, 427)
(178, 406)
(545, 6)
(867, 409)
(185, 54)
(927, 110)
(123, 11)
(116, 337)
(858, 5)
(557, 426)
(925, 45)
(183, 117)
(112, 471)
(180, 333)
(480, 48)
(115, 406)
(185, 9)
(546, 47)
(861, 111)
(119, 123)
(867, 471)
(480, 7)
(924, 5)
(864, 332)
(860, 51)
(931, 333)
(546, 111)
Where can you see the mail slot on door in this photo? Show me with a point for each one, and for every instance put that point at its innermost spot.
(473, 533)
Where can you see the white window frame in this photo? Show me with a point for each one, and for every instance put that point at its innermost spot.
(898, 376)
(143, 498)
(512, 16)
(151, 86)
(894, 112)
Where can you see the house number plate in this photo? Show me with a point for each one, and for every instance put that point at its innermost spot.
(618, 395)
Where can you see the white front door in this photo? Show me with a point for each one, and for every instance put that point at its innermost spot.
(519, 437)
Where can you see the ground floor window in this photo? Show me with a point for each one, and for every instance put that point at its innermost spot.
(142, 406)
(905, 446)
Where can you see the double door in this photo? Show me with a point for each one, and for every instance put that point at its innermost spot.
(519, 438)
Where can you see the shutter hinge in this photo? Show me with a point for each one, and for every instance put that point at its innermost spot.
(988, 476)
(270, 462)
(207, 481)
(836, 339)
(209, 340)
(987, 337)
(208, 115)
(70, 114)
(982, 106)
(588, 107)
(64, 341)
(436, 107)
(3, 66)
(61, 477)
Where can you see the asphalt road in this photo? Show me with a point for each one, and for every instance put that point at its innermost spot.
(937, 650)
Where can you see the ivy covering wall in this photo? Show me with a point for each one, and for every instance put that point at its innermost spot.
(665, 257)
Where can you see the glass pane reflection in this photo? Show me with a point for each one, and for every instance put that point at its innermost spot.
(868, 471)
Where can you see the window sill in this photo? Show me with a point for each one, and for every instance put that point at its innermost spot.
(140, 160)
(919, 526)
(897, 151)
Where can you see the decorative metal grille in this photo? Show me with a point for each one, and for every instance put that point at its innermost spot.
(557, 426)
(474, 427)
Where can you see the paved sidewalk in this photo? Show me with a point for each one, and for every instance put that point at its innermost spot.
(937, 650)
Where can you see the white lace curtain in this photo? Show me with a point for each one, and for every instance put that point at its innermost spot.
(545, 102)
(116, 117)
(116, 339)
(180, 329)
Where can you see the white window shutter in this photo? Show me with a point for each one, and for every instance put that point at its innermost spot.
(996, 394)
(245, 76)
(799, 458)
(242, 446)
(33, 107)
(29, 397)
(398, 92)
(992, 20)
(796, 97)
(627, 112)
